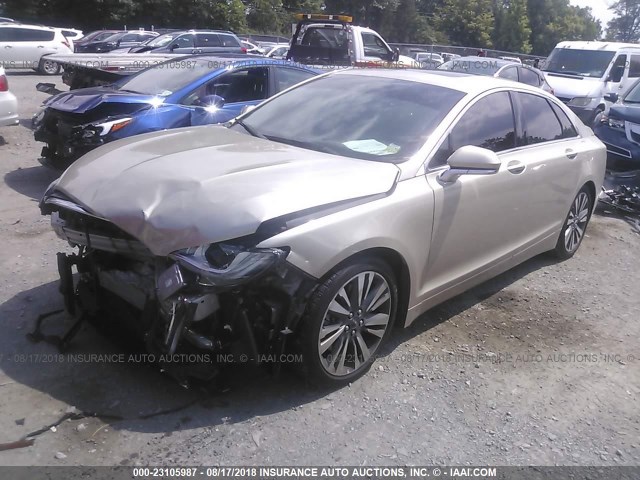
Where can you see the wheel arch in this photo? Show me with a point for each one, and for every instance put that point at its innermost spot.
(398, 265)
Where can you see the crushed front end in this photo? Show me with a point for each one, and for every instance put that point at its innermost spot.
(233, 302)
(69, 135)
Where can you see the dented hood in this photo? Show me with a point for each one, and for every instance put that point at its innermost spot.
(199, 185)
(84, 99)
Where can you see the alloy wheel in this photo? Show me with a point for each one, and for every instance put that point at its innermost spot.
(354, 323)
(577, 222)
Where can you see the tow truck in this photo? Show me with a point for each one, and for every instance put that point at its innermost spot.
(333, 40)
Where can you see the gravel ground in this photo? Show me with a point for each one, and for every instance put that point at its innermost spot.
(538, 366)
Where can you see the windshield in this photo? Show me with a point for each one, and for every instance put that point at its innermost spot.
(358, 116)
(634, 94)
(584, 63)
(166, 78)
(473, 66)
(161, 40)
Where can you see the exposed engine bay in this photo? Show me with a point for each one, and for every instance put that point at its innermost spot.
(244, 310)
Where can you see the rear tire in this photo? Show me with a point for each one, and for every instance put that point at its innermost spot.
(575, 225)
(349, 317)
(47, 67)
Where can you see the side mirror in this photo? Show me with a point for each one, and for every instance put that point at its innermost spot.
(611, 97)
(247, 109)
(211, 102)
(174, 46)
(396, 55)
(470, 160)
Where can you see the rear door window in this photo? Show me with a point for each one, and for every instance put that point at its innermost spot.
(568, 129)
(29, 35)
(228, 41)
(537, 120)
(204, 40)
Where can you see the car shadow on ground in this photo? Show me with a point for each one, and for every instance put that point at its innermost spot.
(31, 181)
(459, 304)
(134, 395)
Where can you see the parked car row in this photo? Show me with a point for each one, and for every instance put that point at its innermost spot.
(317, 220)
(210, 90)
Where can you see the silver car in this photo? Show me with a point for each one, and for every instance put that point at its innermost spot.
(314, 223)
(8, 102)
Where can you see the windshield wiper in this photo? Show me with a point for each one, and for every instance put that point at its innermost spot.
(566, 72)
(249, 129)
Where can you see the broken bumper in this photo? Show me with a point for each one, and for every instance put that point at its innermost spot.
(244, 306)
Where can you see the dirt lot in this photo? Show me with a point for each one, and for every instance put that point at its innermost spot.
(539, 366)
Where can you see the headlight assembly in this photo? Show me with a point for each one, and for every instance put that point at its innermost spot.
(581, 101)
(616, 123)
(223, 265)
(112, 125)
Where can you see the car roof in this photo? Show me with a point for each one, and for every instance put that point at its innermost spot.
(242, 59)
(606, 46)
(24, 25)
(462, 82)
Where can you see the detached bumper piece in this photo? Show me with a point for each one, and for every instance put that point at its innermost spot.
(172, 308)
(621, 191)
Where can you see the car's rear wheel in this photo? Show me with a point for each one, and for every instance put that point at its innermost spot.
(575, 224)
(349, 317)
(47, 67)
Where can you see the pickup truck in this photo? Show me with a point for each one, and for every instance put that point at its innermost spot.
(332, 40)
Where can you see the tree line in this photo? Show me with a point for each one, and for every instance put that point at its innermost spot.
(525, 26)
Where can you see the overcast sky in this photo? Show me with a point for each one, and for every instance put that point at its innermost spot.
(598, 7)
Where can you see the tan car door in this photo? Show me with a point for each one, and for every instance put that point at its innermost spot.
(478, 219)
(552, 151)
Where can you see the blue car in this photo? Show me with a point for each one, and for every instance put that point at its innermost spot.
(194, 90)
(620, 132)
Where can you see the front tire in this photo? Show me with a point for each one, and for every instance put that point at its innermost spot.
(575, 225)
(349, 318)
(47, 67)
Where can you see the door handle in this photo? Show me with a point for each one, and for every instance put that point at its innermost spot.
(40, 46)
(570, 153)
(516, 167)
(8, 46)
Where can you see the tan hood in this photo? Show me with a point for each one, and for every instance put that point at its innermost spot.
(198, 185)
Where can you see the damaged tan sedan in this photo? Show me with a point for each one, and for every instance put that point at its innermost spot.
(313, 224)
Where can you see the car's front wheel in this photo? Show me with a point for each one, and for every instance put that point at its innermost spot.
(47, 67)
(575, 224)
(349, 317)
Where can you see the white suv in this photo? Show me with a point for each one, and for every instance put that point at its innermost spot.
(25, 46)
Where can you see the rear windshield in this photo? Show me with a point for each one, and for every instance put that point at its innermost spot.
(583, 63)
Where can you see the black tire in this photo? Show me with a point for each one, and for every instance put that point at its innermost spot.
(47, 67)
(597, 118)
(575, 224)
(347, 355)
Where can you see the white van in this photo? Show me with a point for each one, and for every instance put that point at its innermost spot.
(585, 74)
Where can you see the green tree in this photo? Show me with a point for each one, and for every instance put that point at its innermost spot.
(625, 26)
(554, 21)
(512, 31)
(467, 22)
